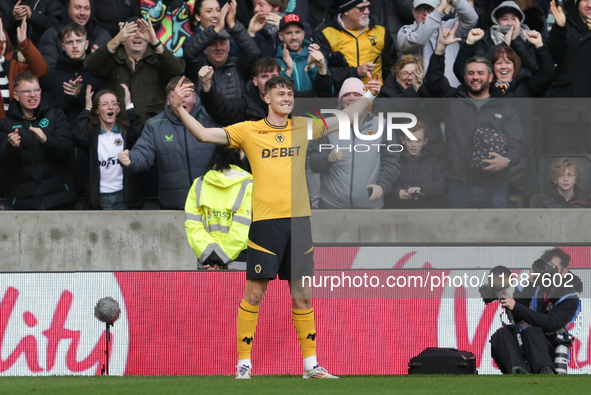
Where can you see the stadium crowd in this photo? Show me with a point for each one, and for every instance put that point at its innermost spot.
(87, 87)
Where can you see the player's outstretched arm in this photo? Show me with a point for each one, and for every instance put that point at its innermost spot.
(200, 132)
(373, 86)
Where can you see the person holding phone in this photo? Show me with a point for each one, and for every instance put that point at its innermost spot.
(421, 183)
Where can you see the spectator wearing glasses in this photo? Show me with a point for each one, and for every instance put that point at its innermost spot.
(354, 44)
(421, 37)
(10, 65)
(35, 145)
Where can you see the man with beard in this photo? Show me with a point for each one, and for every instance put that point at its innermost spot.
(477, 175)
(354, 44)
(295, 54)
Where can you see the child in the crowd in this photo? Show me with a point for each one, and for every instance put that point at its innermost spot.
(421, 183)
(565, 175)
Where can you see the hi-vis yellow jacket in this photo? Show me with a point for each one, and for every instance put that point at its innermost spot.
(218, 214)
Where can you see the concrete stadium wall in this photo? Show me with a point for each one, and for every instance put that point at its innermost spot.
(156, 240)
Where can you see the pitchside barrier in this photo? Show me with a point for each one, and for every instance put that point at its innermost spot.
(386, 308)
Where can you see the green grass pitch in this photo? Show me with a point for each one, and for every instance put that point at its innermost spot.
(287, 385)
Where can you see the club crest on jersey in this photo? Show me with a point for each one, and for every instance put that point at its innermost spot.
(257, 269)
(280, 137)
(44, 123)
(118, 142)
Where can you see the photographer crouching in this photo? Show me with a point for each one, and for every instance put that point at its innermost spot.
(539, 340)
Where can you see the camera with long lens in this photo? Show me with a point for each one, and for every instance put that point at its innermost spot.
(498, 281)
(563, 341)
(540, 266)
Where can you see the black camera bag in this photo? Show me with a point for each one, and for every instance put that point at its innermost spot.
(435, 360)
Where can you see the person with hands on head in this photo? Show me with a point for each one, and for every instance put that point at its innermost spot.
(354, 44)
(41, 15)
(35, 145)
(137, 58)
(570, 44)
(166, 143)
(281, 209)
(472, 185)
(11, 66)
(230, 73)
(421, 37)
(103, 133)
(350, 179)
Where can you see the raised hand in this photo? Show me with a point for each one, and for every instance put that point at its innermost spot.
(89, 94)
(146, 31)
(288, 61)
(180, 92)
(256, 23)
(127, 95)
(273, 19)
(205, 75)
(127, 30)
(14, 139)
(417, 78)
(21, 31)
(535, 38)
(231, 18)
(557, 13)
(474, 36)
(372, 85)
(222, 18)
(448, 36)
(443, 5)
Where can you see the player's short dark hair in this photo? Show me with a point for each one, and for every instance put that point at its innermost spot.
(25, 76)
(265, 65)
(73, 28)
(172, 83)
(556, 252)
(278, 82)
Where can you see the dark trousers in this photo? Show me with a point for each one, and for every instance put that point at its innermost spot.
(536, 352)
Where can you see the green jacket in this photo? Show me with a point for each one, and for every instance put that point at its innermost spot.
(147, 83)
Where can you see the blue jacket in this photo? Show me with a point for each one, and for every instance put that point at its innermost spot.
(303, 77)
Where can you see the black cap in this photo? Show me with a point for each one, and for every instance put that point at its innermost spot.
(289, 19)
